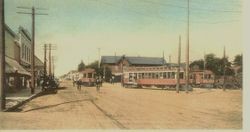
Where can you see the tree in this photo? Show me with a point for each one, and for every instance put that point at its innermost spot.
(81, 66)
(238, 62)
(215, 64)
(199, 63)
(94, 65)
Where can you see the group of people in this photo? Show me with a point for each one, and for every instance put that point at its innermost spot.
(78, 82)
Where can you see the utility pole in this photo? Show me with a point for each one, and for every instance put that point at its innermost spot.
(204, 68)
(163, 58)
(179, 65)
(2, 57)
(50, 60)
(33, 13)
(224, 68)
(99, 50)
(187, 52)
(45, 64)
(169, 57)
(53, 65)
(33, 53)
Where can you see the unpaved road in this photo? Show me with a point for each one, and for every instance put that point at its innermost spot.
(126, 108)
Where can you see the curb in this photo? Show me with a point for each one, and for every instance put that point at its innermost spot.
(24, 102)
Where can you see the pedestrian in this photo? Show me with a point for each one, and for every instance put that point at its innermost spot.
(38, 82)
(98, 82)
(30, 86)
(74, 81)
(79, 83)
(113, 78)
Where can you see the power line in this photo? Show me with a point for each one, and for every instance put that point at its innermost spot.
(163, 19)
(191, 8)
(33, 14)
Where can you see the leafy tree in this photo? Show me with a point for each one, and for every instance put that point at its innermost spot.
(199, 63)
(238, 60)
(215, 64)
(94, 65)
(81, 66)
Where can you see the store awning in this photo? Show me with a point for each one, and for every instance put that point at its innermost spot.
(13, 67)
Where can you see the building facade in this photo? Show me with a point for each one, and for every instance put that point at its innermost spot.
(15, 73)
(25, 47)
(117, 63)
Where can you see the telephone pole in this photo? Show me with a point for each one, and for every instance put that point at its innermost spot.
(187, 52)
(33, 14)
(204, 68)
(33, 53)
(2, 57)
(50, 60)
(224, 68)
(179, 65)
(99, 50)
(169, 59)
(45, 64)
(53, 65)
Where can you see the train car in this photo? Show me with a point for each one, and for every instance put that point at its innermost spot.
(165, 77)
(88, 77)
(202, 78)
(157, 76)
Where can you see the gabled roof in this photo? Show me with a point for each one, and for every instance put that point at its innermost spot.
(88, 70)
(12, 33)
(134, 60)
(110, 59)
(38, 62)
(175, 64)
(146, 60)
(25, 32)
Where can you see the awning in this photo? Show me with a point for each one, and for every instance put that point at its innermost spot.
(13, 67)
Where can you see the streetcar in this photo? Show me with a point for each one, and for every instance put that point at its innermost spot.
(87, 77)
(162, 77)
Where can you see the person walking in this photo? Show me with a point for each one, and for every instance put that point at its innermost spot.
(98, 82)
(74, 81)
(79, 83)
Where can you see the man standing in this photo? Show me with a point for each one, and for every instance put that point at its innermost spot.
(79, 83)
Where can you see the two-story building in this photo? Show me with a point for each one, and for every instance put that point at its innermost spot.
(25, 47)
(15, 73)
(117, 63)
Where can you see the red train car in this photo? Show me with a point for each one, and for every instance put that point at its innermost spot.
(87, 77)
(158, 76)
(163, 77)
(202, 78)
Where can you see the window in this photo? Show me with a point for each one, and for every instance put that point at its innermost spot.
(172, 75)
(149, 75)
(22, 51)
(209, 76)
(89, 75)
(164, 75)
(181, 75)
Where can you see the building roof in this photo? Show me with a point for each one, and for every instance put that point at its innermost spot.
(146, 60)
(134, 60)
(10, 31)
(88, 70)
(175, 64)
(38, 62)
(25, 32)
(110, 59)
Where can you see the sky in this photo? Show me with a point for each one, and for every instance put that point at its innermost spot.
(131, 27)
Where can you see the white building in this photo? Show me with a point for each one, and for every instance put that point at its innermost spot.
(25, 44)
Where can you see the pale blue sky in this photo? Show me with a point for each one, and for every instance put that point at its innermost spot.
(131, 27)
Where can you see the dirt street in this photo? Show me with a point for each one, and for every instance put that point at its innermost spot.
(128, 108)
